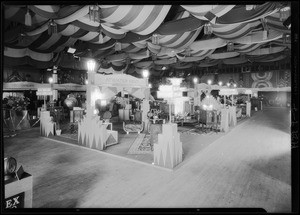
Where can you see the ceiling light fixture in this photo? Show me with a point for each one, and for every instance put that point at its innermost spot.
(208, 29)
(145, 73)
(195, 80)
(155, 39)
(52, 27)
(28, 20)
(118, 46)
(71, 50)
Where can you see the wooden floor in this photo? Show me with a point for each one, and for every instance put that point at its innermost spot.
(248, 167)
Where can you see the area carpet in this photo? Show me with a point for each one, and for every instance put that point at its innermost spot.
(141, 145)
(196, 130)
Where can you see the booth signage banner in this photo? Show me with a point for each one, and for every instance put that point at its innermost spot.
(21, 85)
(24, 85)
(75, 87)
(119, 80)
(44, 92)
(16, 201)
(228, 92)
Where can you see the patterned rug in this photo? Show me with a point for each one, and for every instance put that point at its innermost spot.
(197, 130)
(141, 145)
(70, 136)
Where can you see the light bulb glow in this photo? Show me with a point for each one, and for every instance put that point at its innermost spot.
(50, 80)
(145, 73)
(209, 82)
(195, 80)
(91, 65)
(220, 83)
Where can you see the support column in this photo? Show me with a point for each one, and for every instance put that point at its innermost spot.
(90, 105)
(224, 120)
(145, 107)
(248, 108)
(54, 77)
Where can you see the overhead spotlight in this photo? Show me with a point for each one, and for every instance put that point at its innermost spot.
(71, 50)
(195, 80)
(50, 80)
(86, 81)
(234, 85)
(220, 83)
(164, 68)
(228, 84)
(145, 73)
(249, 7)
(209, 82)
(287, 22)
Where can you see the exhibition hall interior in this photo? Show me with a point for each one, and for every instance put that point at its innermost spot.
(149, 106)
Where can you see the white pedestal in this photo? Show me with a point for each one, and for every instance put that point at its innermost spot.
(92, 133)
(46, 125)
(168, 150)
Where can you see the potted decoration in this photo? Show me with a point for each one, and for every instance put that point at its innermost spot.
(57, 129)
(57, 120)
(17, 105)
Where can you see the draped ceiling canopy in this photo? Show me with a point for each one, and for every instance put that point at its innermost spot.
(145, 36)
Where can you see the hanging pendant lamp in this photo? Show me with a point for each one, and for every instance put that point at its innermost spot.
(155, 39)
(94, 13)
(52, 27)
(207, 29)
(118, 46)
(28, 20)
(230, 46)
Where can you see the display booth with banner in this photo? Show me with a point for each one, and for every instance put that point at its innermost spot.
(92, 131)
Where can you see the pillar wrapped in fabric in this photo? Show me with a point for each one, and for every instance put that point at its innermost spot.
(168, 151)
(224, 120)
(248, 109)
(232, 116)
